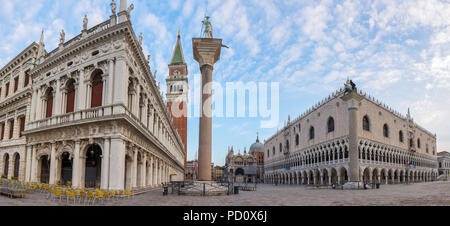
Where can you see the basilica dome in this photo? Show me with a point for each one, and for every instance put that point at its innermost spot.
(256, 147)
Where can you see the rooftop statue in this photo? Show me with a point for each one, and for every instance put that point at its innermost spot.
(207, 30)
(62, 36)
(130, 9)
(85, 22)
(113, 7)
(141, 37)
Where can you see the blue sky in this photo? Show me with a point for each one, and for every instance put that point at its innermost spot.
(397, 51)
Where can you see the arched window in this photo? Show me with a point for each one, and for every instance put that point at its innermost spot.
(297, 139)
(268, 154)
(16, 165)
(418, 143)
(287, 145)
(311, 133)
(400, 136)
(49, 109)
(366, 123)
(281, 147)
(273, 151)
(385, 130)
(97, 89)
(411, 143)
(330, 124)
(5, 164)
(70, 96)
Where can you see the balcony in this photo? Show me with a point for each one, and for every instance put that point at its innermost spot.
(91, 114)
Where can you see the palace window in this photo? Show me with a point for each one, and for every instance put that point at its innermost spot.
(16, 83)
(297, 139)
(411, 143)
(418, 143)
(311, 133)
(427, 148)
(49, 110)
(385, 130)
(7, 89)
(2, 132)
(366, 123)
(281, 147)
(330, 124)
(70, 96)
(22, 125)
(273, 151)
(27, 79)
(97, 89)
(11, 129)
(400, 136)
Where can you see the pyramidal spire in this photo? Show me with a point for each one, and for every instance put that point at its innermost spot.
(178, 56)
(41, 49)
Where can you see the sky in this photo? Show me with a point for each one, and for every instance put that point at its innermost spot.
(397, 51)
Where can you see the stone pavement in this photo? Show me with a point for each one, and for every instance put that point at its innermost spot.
(431, 193)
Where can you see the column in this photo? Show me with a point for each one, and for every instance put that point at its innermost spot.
(81, 92)
(53, 163)
(152, 175)
(29, 152)
(34, 165)
(120, 82)
(105, 164)
(76, 179)
(144, 171)
(110, 83)
(57, 102)
(353, 100)
(134, 168)
(117, 159)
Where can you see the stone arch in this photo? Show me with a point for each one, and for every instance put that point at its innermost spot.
(16, 166)
(6, 163)
(92, 165)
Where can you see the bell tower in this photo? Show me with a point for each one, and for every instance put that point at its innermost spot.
(177, 92)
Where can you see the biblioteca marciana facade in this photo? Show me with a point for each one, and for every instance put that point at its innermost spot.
(350, 137)
(89, 112)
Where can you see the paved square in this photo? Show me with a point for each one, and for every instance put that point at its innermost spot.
(432, 193)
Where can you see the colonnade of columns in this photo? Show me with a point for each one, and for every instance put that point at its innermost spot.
(113, 164)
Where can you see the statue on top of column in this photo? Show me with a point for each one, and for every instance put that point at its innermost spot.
(349, 86)
(85, 22)
(113, 7)
(207, 30)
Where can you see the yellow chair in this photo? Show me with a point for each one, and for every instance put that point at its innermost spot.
(128, 193)
(71, 194)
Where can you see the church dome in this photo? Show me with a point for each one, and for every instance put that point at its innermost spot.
(256, 147)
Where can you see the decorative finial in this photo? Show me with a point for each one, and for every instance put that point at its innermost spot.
(178, 33)
(257, 137)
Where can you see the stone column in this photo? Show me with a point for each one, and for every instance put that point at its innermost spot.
(206, 53)
(151, 172)
(120, 82)
(144, 171)
(76, 179)
(34, 163)
(29, 151)
(353, 100)
(105, 164)
(53, 163)
(117, 159)
(134, 168)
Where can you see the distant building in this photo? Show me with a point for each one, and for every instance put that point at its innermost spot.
(191, 171)
(350, 137)
(257, 150)
(240, 168)
(219, 173)
(444, 163)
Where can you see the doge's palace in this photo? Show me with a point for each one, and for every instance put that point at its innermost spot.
(350, 137)
(93, 116)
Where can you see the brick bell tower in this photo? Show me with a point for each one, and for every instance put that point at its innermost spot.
(177, 92)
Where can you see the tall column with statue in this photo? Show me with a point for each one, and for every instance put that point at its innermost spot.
(353, 100)
(206, 53)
